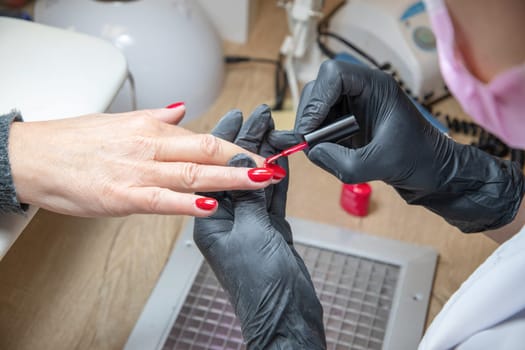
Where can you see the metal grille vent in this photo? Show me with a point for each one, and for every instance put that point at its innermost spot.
(356, 294)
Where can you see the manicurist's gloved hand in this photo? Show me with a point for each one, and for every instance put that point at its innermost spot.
(469, 188)
(249, 246)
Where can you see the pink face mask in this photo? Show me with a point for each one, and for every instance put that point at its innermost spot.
(498, 106)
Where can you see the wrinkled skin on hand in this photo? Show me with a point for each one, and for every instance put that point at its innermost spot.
(248, 243)
(121, 164)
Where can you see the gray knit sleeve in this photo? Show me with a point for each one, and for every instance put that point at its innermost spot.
(8, 200)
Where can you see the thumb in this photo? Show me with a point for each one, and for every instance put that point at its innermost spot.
(248, 205)
(347, 164)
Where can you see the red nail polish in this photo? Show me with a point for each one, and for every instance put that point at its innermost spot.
(205, 203)
(286, 152)
(175, 105)
(260, 174)
(278, 171)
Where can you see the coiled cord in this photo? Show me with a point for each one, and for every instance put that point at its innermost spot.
(483, 139)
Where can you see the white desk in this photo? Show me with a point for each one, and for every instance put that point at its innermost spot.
(50, 73)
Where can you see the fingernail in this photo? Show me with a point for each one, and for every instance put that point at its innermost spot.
(206, 203)
(278, 171)
(175, 105)
(260, 174)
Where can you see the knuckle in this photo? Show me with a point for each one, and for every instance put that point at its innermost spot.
(153, 201)
(144, 122)
(190, 175)
(144, 147)
(109, 199)
(142, 142)
(210, 145)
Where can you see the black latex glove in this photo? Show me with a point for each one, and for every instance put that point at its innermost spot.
(248, 244)
(469, 188)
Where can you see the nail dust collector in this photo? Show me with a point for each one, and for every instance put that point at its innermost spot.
(374, 293)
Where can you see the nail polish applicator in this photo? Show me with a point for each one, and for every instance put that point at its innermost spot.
(335, 132)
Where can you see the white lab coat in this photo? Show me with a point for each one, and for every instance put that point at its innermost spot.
(488, 310)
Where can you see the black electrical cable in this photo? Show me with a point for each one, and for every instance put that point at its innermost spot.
(281, 85)
(281, 81)
(354, 48)
(429, 105)
(241, 59)
(322, 27)
(323, 32)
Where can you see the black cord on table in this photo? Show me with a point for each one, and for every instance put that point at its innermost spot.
(281, 80)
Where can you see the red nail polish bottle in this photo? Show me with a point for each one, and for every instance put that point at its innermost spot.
(355, 198)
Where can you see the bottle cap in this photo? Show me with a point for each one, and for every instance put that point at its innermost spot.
(355, 198)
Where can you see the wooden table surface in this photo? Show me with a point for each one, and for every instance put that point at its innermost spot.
(77, 283)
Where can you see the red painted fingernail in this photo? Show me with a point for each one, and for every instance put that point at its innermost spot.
(278, 171)
(260, 174)
(175, 105)
(205, 203)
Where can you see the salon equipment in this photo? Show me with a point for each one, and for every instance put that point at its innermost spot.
(391, 35)
(374, 292)
(173, 52)
(297, 47)
(396, 33)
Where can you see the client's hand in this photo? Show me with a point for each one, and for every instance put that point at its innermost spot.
(112, 165)
(249, 246)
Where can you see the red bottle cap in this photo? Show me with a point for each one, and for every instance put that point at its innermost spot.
(355, 198)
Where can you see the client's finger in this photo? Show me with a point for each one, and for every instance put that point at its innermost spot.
(199, 148)
(192, 177)
(154, 200)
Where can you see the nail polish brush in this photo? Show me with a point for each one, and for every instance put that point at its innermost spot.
(335, 132)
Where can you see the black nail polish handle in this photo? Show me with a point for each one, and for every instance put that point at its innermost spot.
(338, 131)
